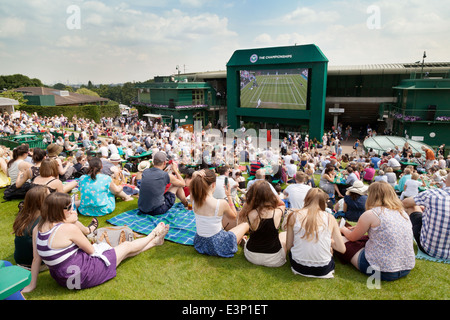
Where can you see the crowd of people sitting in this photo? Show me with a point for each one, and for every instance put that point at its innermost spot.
(303, 201)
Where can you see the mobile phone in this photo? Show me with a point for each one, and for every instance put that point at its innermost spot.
(226, 181)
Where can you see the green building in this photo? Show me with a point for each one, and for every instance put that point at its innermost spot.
(422, 111)
(176, 101)
(375, 95)
(278, 88)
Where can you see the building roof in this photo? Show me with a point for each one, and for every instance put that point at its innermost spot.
(390, 68)
(386, 68)
(62, 97)
(8, 102)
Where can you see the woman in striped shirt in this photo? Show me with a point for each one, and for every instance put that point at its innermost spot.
(72, 260)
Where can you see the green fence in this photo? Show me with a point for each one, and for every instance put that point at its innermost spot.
(33, 141)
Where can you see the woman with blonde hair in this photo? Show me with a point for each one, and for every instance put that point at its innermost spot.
(263, 211)
(218, 233)
(388, 248)
(312, 234)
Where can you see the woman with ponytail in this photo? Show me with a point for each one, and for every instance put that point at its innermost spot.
(218, 233)
(18, 164)
(312, 233)
(98, 191)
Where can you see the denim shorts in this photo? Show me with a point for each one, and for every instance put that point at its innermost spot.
(363, 265)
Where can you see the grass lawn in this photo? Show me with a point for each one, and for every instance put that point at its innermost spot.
(177, 272)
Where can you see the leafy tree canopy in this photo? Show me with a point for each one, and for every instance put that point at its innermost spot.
(18, 80)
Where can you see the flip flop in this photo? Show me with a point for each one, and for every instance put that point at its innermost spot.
(94, 223)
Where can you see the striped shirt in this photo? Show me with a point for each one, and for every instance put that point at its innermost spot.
(435, 232)
(50, 256)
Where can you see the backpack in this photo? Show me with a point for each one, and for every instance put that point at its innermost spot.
(131, 166)
(13, 193)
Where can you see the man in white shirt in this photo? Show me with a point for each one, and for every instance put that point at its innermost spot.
(112, 147)
(260, 175)
(393, 163)
(296, 193)
(224, 172)
(291, 169)
(104, 149)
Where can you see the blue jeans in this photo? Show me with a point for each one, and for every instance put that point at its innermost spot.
(363, 265)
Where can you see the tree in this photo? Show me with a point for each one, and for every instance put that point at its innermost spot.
(62, 86)
(129, 93)
(17, 81)
(87, 92)
(11, 94)
(59, 86)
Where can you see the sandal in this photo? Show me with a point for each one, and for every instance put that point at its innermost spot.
(94, 223)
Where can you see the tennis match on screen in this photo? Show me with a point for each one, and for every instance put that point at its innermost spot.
(274, 89)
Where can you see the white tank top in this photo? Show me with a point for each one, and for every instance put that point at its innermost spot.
(208, 226)
(312, 253)
(13, 171)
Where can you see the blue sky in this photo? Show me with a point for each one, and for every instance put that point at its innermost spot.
(118, 41)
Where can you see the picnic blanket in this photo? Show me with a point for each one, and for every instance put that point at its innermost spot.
(182, 223)
(423, 256)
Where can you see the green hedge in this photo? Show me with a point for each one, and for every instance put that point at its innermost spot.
(93, 112)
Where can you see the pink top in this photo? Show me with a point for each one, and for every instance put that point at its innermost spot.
(369, 174)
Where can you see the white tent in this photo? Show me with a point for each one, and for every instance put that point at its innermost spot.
(124, 109)
(381, 144)
(7, 105)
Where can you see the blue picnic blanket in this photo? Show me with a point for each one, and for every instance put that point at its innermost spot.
(423, 256)
(182, 223)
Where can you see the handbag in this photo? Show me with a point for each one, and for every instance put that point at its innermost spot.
(112, 235)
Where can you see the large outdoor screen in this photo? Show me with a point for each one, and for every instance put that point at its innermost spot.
(274, 89)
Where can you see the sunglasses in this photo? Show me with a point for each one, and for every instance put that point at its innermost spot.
(69, 207)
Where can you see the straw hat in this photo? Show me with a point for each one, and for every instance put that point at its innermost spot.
(54, 150)
(359, 188)
(144, 165)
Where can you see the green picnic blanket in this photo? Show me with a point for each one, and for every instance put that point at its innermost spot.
(182, 223)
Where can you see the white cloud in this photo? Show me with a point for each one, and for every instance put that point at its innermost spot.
(11, 27)
(407, 28)
(135, 40)
(304, 15)
(71, 41)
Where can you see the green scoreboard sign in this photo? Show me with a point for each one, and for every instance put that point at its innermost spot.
(284, 85)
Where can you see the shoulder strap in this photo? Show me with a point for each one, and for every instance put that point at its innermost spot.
(217, 208)
(50, 181)
(376, 213)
